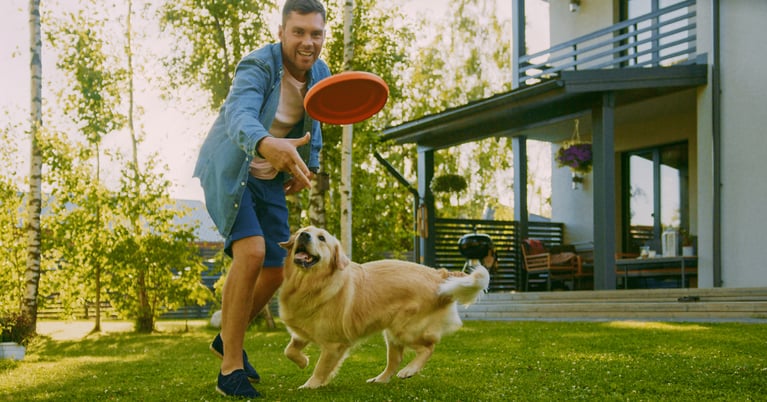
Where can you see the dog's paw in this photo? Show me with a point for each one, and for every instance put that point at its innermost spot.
(312, 383)
(379, 380)
(407, 372)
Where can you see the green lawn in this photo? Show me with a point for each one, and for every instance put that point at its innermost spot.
(484, 361)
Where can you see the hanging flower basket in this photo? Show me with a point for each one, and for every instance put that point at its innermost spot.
(575, 154)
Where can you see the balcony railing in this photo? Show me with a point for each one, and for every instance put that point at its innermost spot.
(661, 38)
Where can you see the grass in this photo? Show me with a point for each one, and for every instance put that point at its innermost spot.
(484, 361)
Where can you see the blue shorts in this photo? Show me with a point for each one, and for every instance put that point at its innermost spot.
(263, 212)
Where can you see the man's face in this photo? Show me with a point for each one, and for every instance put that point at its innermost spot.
(302, 37)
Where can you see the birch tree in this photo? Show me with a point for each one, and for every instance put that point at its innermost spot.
(467, 61)
(212, 37)
(381, 41)
(347, 138)
(32, 275)
(92, 102)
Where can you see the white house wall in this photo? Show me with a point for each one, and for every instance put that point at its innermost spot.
(640, 125)
(592, 15)
(743, 138)
(744, 142)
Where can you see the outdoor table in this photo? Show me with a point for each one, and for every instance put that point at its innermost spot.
(655, 266)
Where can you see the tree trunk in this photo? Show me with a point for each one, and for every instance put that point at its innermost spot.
(317, 216)
(144, 316)
(32, 274)
(96, 257)
(346, 140)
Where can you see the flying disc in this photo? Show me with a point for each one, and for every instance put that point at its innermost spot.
(346, 98)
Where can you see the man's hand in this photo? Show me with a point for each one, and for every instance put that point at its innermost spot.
(293, 186)
(282, 154)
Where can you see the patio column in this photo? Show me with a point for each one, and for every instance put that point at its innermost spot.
(425, 213)
(518, 46)
(519, 147)
(603, 148)
(521, 215)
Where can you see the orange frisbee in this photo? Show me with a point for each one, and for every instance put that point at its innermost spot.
(346, 98)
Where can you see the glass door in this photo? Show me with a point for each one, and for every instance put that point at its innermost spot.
(655, 189)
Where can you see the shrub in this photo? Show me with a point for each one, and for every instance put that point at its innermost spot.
(16, 327)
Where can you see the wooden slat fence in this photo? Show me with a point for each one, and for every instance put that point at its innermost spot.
(56, 311)
(551, 233)
(505, 236)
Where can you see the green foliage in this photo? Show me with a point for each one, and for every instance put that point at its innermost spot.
(16, 327)
(382, 208)
(220, 267)
(77, 241)
(448, 183)
(483, 361)
(468, 59)
(94, 99)
(12, 250)
(100, 243)
(212, 37)
(153, 266)
(164, 277)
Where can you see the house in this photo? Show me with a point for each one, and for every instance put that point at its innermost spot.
(670, 94)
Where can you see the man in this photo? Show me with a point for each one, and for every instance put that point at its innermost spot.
(256, 153)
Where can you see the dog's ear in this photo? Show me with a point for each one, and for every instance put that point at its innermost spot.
(288, 245)
(340, 260)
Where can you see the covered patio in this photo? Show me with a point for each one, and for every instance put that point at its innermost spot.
(544, 108)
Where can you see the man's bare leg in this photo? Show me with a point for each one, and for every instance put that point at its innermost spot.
(267, 284)
(237, 297)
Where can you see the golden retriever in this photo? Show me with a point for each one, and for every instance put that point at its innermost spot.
(333, 302)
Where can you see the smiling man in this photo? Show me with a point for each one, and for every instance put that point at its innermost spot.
(262, 147)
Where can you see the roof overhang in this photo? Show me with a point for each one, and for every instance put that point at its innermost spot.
(570, 94)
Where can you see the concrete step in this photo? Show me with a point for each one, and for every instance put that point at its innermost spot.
(740, 304)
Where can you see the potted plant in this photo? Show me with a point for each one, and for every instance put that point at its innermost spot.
(448, 183)
(576, 155)
(578, 158)
(16, 331)
(688, 243)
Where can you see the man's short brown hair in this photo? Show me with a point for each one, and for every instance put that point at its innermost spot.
(302, 7)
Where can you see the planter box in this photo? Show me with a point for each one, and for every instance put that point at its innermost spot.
(11, 350)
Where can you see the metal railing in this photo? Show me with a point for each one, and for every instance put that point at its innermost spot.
(661, 38)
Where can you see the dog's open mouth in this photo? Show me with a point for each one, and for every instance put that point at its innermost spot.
(302, 257)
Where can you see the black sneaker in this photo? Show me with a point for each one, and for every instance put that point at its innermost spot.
(236, 384)
(217, 347)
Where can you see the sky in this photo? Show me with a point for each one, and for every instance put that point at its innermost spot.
(176, 131)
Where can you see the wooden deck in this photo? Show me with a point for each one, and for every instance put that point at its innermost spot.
(742, 304)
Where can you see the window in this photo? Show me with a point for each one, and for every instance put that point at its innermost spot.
(655, 188)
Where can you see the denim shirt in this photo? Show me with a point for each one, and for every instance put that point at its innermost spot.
(248, 111)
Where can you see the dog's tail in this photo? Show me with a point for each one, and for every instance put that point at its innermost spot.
(466, 289)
